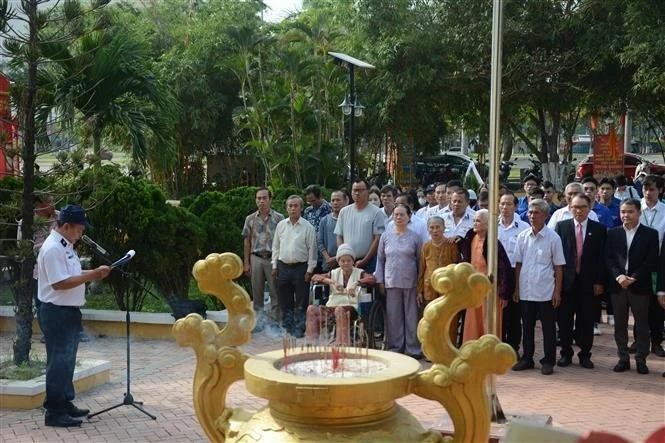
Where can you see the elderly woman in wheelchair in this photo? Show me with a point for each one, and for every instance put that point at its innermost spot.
(345, 285)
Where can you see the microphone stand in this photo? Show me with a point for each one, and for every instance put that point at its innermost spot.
(128, 398)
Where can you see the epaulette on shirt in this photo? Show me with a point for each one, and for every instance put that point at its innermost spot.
(63, 242)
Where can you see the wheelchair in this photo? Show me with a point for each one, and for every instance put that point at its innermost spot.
(369, 326)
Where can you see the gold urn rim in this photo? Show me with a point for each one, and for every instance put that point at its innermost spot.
(265, 379)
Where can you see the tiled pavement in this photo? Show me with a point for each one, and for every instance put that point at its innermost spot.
(578, 399)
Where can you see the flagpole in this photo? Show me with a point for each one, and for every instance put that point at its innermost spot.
(492, 312)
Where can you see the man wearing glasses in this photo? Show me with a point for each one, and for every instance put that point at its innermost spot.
(361, 225)
(583, 242)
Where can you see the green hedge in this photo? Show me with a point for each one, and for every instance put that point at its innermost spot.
(130, 213)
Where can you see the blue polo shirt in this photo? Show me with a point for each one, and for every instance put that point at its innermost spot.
(604, 215)
(522, 205)
(614, 218)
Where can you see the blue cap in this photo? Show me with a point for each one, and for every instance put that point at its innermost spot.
(74, 214)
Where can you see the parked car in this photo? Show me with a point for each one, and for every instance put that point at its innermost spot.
(630, 163)
(441, 168)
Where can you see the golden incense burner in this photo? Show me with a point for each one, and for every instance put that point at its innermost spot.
(359, 406)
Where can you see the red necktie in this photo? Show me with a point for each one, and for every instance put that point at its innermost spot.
(579, 241)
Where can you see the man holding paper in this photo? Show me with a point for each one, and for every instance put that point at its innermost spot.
(61, 289)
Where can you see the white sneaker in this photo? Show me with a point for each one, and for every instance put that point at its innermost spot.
(610, 320)
(596, 329)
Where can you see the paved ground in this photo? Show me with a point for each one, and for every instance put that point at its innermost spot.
(578, 399)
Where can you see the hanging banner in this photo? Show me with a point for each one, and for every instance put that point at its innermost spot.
(607, 154)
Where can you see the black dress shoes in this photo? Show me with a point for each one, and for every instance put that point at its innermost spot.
(547, 369)
(523, 364)
(658, 350)
(73, 411)
(61, 420)
(622, 366)
(586, 363)
(564, 361)
(642, 367)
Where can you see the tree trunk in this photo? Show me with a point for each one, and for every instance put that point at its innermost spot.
(294, 135)
(97, 147)
(24, 290)
(508, 143)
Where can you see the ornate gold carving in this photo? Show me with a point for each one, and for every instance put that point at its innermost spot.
(219, 363)
(457, 377)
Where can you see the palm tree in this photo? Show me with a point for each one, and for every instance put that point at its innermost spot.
(107, 86)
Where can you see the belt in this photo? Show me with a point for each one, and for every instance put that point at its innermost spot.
(73, 308)
(293, 265)
(266, 255)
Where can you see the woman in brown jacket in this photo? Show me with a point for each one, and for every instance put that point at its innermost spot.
(436, 253)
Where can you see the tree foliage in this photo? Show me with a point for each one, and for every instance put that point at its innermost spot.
(133, 214)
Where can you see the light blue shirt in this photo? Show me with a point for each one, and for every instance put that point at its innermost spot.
(397, 260)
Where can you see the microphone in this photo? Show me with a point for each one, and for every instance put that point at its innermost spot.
(91, 243)
(121, 261)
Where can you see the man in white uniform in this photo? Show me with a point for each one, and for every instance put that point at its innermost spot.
(566, 212)
(510, 225)
(460, 217)
(61, 290)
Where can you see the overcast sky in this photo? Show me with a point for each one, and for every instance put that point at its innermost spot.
(278, 9)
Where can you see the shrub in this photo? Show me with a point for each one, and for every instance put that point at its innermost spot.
(133, 214)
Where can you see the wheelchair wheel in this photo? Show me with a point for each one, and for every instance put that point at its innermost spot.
(377, 325)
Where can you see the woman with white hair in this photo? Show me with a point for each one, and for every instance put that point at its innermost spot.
(343, 301)
(474, 250)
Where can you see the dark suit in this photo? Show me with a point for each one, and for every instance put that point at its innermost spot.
(660, 284)
(642, 258)
(656, 312)
(578, 304)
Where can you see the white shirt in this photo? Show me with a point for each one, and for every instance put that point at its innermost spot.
(388, 217)
(508, 235)
(654, 218)
(422, 212)
(460, 228)
(57, 261)
(630, 235)
(294, 243)
(539, 254)
(417, 225)
(564, 213)
(437, 211)
(628, 192)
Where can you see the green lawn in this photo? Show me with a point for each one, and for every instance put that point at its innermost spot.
(45, 161)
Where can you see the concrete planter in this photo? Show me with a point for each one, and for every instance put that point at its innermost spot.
(111, 323)
(29, 394)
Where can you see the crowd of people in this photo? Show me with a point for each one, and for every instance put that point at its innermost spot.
(555, 265)
(558, 263)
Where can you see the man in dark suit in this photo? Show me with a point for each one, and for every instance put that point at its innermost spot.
(660, 284)
(631, 255)
(583, 242)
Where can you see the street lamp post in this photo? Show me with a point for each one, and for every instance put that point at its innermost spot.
(350, 106)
